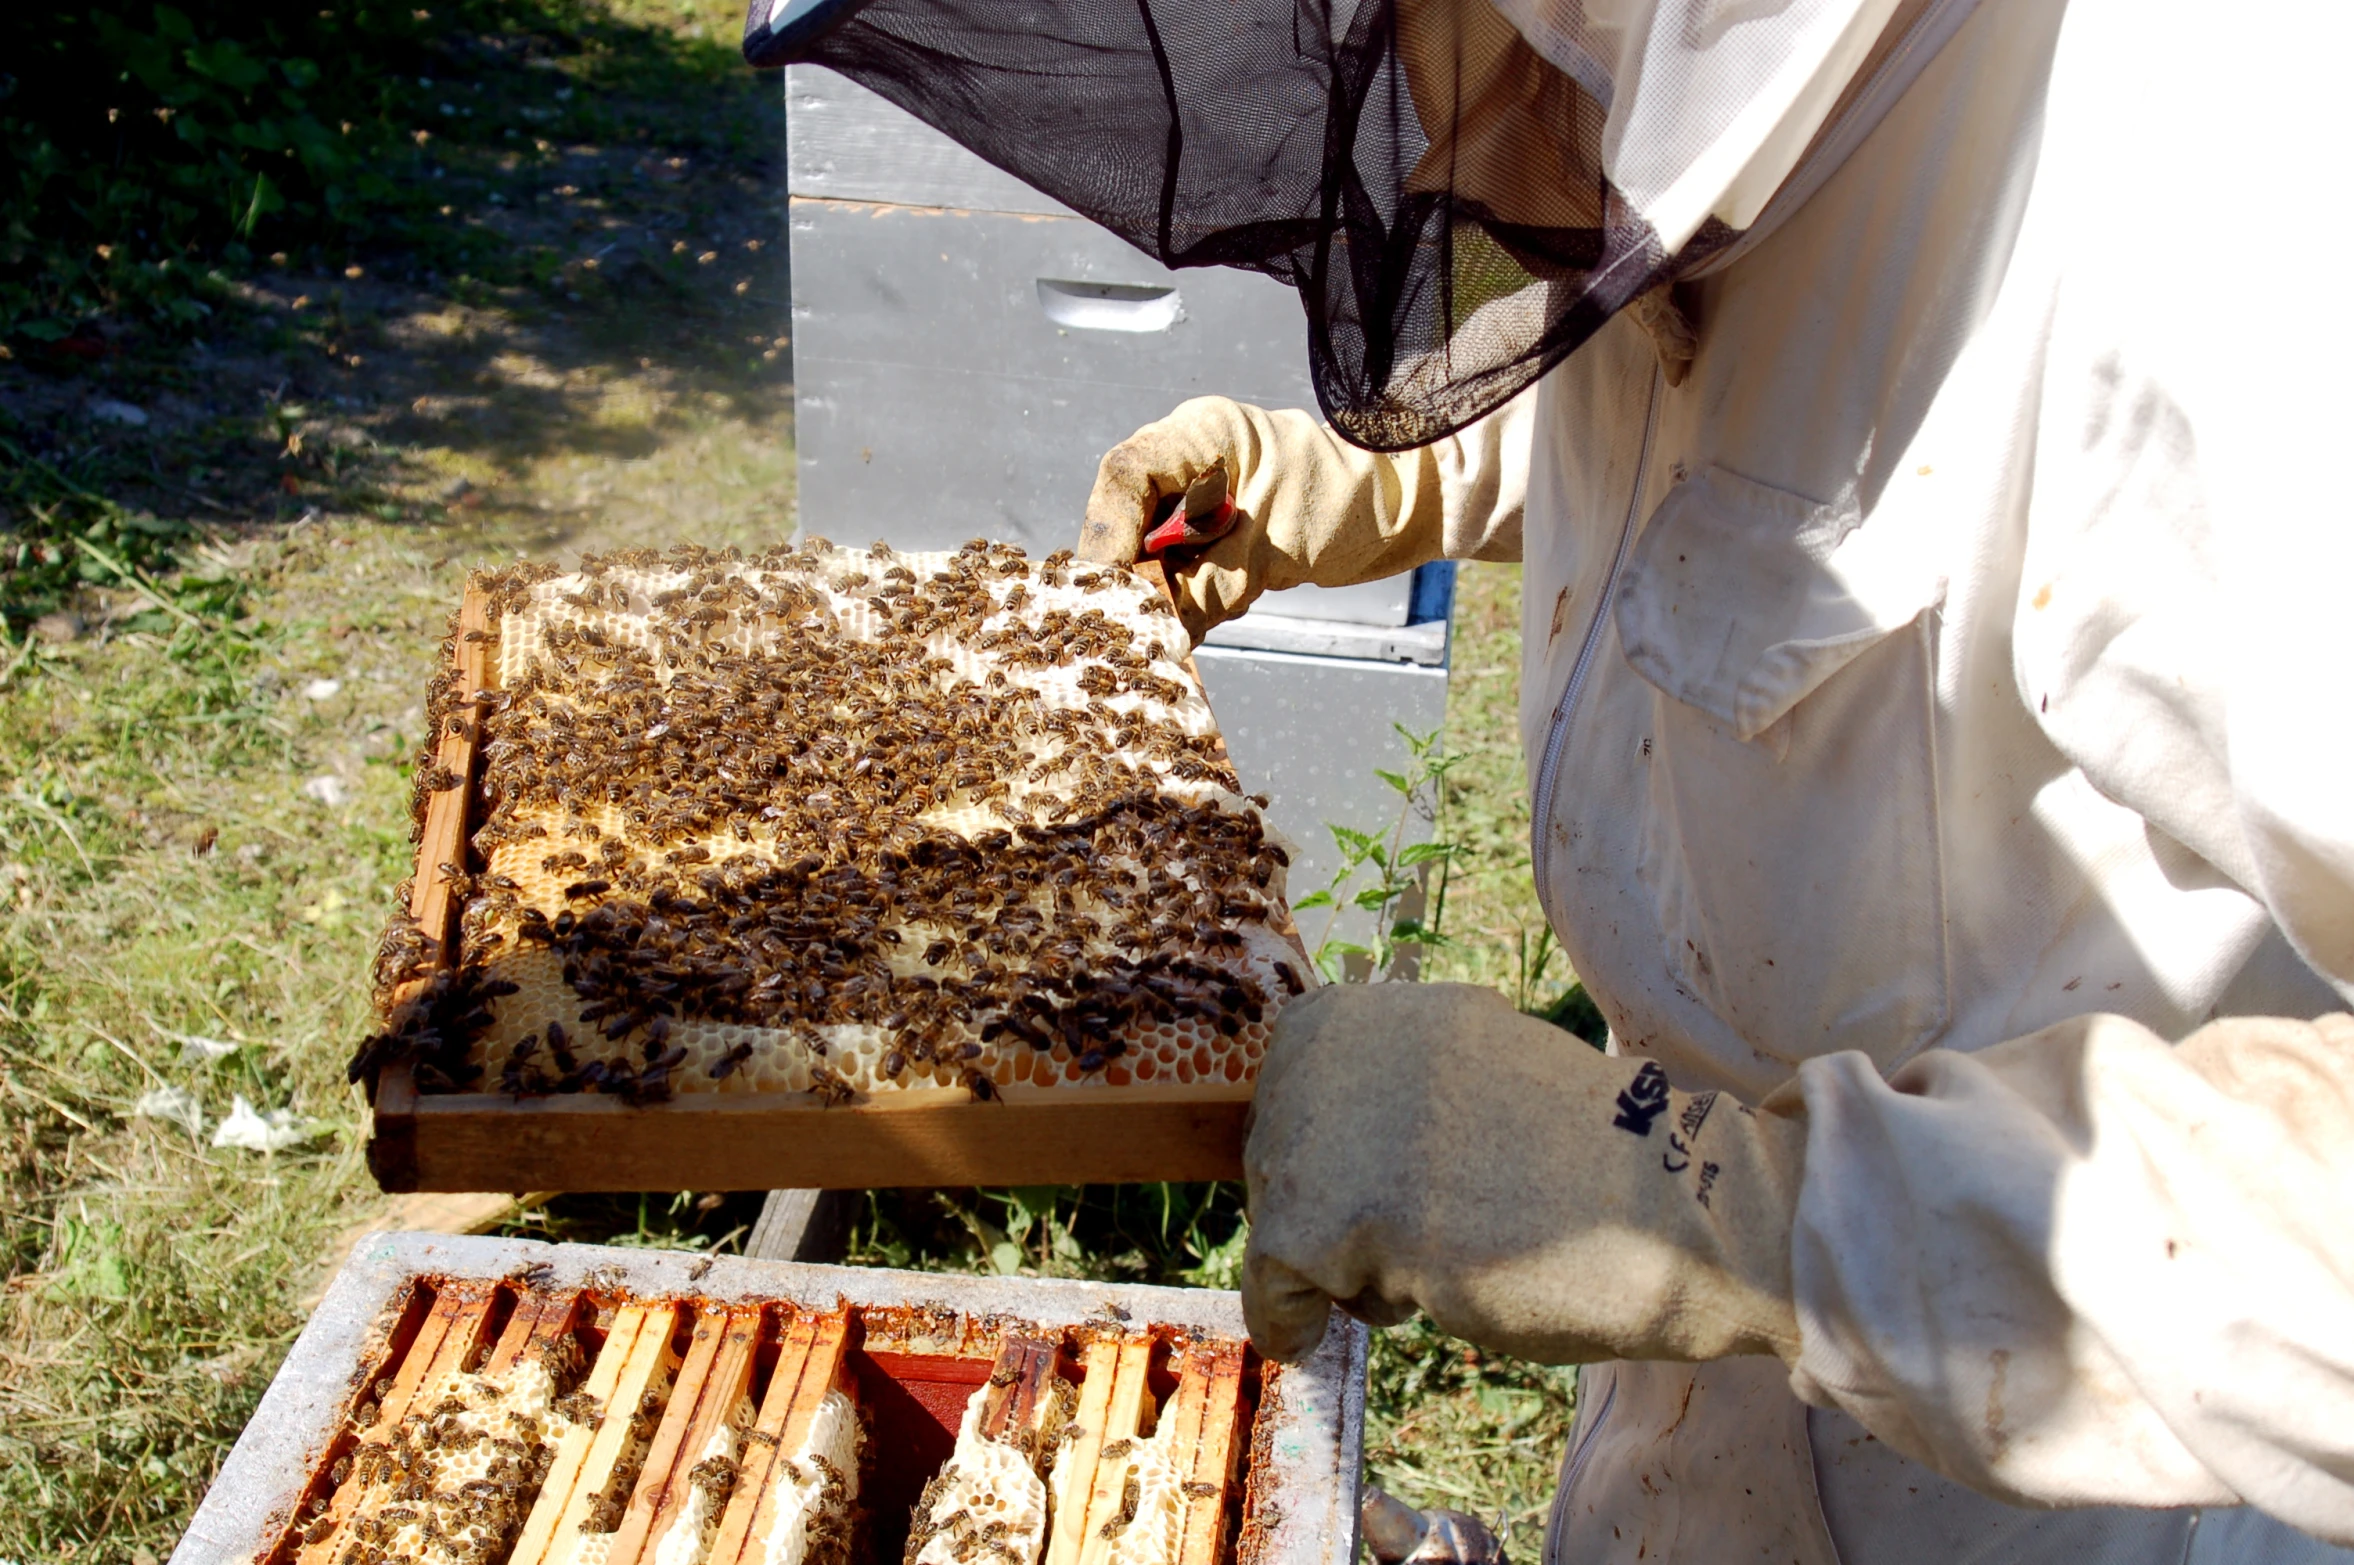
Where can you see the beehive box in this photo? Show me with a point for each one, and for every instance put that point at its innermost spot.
(825, 868)
(505, 1402)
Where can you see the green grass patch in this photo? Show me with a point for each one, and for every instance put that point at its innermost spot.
(144, 984)
(160, 151)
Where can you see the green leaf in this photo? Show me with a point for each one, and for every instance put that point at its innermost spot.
(90, 1261)
(1373, 897)
(1312, 899)
(265, 200)
(227, 63)
(299, 72)
(1423, 853)
(261, 135)
(1352, 841)
(1397, 780)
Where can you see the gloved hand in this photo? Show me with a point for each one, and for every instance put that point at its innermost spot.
(1315, 509)
(1427, 1146)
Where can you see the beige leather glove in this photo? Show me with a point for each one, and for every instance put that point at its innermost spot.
(1315, 509)
(1427, 1146)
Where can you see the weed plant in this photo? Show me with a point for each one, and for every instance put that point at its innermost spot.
(1386, 876)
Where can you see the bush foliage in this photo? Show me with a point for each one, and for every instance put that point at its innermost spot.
(153, 139)
(155, 147)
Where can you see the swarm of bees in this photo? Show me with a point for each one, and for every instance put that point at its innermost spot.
(835, 822)
(458, 1475)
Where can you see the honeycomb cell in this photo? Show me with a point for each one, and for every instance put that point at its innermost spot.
(823, 821)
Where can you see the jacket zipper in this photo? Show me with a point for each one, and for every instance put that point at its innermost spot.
(1556, 737)
(1576, 1469)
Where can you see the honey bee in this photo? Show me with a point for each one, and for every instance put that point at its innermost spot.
(653, 737)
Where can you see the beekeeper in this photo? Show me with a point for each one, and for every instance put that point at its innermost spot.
(1935, 652)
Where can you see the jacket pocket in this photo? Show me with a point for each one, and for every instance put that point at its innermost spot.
(1791, 834)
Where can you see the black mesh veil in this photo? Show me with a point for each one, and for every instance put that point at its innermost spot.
(1430, 185)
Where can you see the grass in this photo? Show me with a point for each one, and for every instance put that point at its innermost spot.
(167, 154)
(147, 1273)
(214, 632)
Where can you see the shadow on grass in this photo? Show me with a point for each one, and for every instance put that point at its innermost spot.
(583, 260)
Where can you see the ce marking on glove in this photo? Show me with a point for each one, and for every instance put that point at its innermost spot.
(1643, 1100)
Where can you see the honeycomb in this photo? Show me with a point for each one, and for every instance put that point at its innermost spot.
(842, 822)
(517, 1426)
(988, 1506)
(457, 1477)
(709, 1481)
(817, 1490)
(1151, 1520)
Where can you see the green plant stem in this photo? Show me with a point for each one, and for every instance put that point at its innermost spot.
(137, 581)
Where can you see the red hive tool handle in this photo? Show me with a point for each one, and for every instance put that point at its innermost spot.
(1199, 517)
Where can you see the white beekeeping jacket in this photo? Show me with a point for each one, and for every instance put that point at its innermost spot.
(1962, 647)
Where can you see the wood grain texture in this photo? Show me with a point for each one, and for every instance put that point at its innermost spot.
(651, 1358)
(650, 1500)
(1122, 1420)
(706, 1396)
(540, 1319)
(1099, 1363)
(1215, 1452)
(820, 1368)
(457, 1327)
(922, 1137)
(445, 836)
(760, 1448)
(573, 1446)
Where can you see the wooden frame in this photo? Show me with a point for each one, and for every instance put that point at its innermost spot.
(923, 1136)
(662, 1377)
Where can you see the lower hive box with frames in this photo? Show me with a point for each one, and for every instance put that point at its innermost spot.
(504, 1402)
(825, 868)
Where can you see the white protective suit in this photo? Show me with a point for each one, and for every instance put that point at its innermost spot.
(1962, 646)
